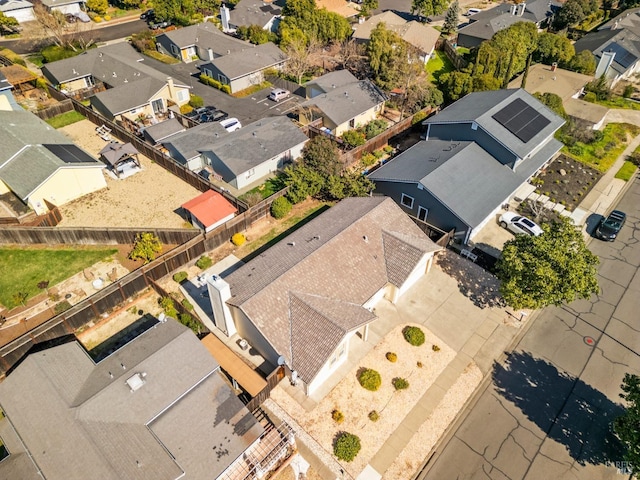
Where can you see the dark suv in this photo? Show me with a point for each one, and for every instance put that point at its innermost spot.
(609, 227)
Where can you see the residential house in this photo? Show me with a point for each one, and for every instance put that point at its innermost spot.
(135, 414)
(209, 210)
(38, 164)
(309, 299)
(420, 36)
(134, 90)
(185, 147)
(485, 24)
(250, 154)
(245, 68)
(342, 101)
(569, 86)
(478, 152)
(265, 14)
(65, 6)
(7, 100)
(616, 49)
(203, 41)
(21, 10)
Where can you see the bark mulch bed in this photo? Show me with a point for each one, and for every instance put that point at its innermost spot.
(566, 181)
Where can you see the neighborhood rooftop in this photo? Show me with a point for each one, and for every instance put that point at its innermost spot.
(331, 265)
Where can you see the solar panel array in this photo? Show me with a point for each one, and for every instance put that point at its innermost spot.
(623, 56)
(70, 153)
(521, 119)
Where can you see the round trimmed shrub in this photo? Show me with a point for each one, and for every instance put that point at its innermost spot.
(400, 383)
(204, 262)
(337, 416)
(374, 416)
(280, 207)
(435, 348)
(370, 379)
(180, 277)
(346, 446)
(413, 335)
(419, 364)
(392, 357)
(238, 239)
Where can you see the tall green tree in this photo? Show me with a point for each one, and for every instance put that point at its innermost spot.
(367, 6)
(627, 426)
(321, 155)
(428, 8)
(387, 55)
(550, 269)
(583, 62)
(451, 17)
(553, 48)
(316, 24)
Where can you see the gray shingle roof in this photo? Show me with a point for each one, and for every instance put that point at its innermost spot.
(82, 420)
(255, 12)
(205, 35)
(628, 19)
(480, 107)
(25, 164)
(250, 59)
(162, 130)
(486, 29)
(343, 103)
(254, 144)
(128, 96)
(461, 175)
(187, 145)
(337, 261)
(331, 80)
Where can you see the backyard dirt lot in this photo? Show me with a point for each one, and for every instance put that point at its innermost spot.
(150, 198)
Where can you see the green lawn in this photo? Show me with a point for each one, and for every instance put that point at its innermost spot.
(22, 269)
(603, 153)
(65, 119)
(268, 188)
(438, 65)
(626, 171)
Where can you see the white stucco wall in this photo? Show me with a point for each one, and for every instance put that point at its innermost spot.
(65, 185)
(329, 369)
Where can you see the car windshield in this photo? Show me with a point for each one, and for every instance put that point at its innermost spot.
(528, 222)
(611, 223)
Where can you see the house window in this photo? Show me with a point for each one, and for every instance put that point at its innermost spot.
(340, 351)
(207, 72)
(183, 95)
(406, 201)
(352, 123)
(422, 213)
(222, 79)
(251, 172)
(175, 50)
(158, 105)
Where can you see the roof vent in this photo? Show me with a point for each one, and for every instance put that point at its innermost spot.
(114, 74)
(346, 94)
(136, 381)
(110, 375)
(123, 366)
(74, 72)
(365, 238)
(254, 134)
(293, 244)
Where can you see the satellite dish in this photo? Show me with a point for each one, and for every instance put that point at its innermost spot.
(281, 361)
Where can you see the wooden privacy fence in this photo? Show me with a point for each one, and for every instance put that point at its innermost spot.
(90, 236)
(54, 110)
(451, 53)
(152, 153)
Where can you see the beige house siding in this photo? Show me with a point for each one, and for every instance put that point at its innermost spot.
(3, 188)
(65, 185)
(359, 121)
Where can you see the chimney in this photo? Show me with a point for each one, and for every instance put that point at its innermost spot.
(520, 8)
(172, 89)
(224, 17)
(219, 293)
(513, 9)
(210, 54)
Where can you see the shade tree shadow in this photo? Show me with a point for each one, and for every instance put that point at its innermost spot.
(475, 283)
(568, 410)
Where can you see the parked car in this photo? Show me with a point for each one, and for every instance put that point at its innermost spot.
(231, 124)
(518, 224)
(197, 112)
(157, 23)
(472, 11)
(278, 94)
(147, 15)
(213, 116)
(609, 227)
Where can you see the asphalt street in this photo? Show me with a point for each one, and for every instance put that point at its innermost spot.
(546, 411)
